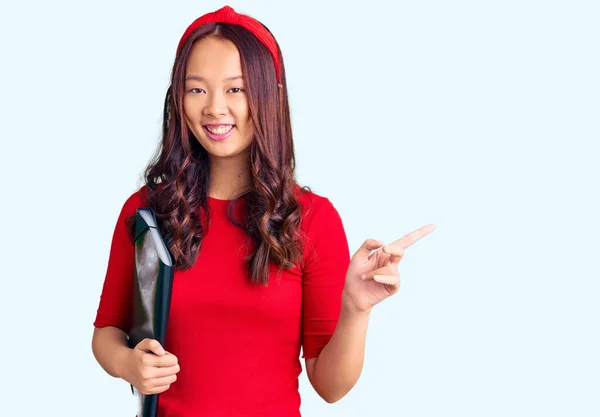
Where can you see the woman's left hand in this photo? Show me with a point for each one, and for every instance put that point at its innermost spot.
(373, 276)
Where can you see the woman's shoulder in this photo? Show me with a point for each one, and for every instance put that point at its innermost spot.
(308, 198)
(137, 199)
(315, 206)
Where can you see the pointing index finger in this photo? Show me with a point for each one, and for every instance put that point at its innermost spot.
(407, 240)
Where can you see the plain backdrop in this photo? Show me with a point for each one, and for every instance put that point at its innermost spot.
(481, 117)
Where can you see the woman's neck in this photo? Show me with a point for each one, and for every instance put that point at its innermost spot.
(229, 178)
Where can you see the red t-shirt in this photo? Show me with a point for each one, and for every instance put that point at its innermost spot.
(238, 345)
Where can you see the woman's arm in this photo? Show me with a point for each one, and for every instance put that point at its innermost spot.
(337, 368)
(109, 345)
(372, 277)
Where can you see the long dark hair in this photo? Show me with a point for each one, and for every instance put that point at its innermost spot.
(178, 176)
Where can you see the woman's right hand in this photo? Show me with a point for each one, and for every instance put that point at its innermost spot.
(149, 368)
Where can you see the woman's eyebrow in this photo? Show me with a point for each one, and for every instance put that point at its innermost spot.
(199, 78)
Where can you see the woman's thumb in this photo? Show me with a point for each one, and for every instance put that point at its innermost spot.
(367, 247)
(155, 347)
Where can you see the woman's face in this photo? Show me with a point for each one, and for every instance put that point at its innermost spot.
(215, 103)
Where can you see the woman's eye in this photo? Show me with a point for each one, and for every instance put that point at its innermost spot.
(237, 89)
(195, 90)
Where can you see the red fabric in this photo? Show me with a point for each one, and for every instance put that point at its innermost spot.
(226, 14)
(239, 346)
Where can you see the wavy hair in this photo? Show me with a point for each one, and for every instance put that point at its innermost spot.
(178, 176)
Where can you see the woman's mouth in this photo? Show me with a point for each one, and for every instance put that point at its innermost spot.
(219, 132)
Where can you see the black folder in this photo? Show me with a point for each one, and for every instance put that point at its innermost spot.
(153, 280)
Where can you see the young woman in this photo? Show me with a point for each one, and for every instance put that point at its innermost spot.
(263, 266)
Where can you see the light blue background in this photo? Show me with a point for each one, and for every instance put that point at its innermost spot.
(481, 117)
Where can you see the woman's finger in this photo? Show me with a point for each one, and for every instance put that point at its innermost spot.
(384, 270)
(369, 245)
(150, 359)
(412, 237)
(159, 382)
(391, 280)
(165, 371)
(159, 390)
(395, 251)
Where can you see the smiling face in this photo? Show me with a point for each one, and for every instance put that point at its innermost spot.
(215, 104)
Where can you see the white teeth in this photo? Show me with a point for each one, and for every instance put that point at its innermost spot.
(221, 130)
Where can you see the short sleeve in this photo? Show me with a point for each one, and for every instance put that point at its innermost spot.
(115, 300)
(326, 260)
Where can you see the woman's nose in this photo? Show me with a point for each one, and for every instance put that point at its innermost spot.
(217, 105)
